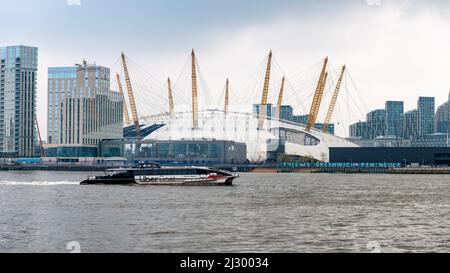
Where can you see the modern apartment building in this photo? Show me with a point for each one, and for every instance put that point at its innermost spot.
(269, 108)
(394, 118)
(359, 130)
(392, 122)
(18, 76)
(82, 109)
(286, 112)
(443, 118)
(411, 124)
(426, 108)
(376, 123)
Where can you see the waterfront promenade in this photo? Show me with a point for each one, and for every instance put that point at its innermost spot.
(286, 167)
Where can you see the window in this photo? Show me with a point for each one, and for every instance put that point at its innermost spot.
(296, 137)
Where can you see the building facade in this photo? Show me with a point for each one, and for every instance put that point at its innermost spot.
(393, 124)
(376, 123)
(269, 109)
(433, 140)
(426, 109)
(443, 118)
(403, 155)
(302, 119)
(18, 76)
(394, 118)
(411, 124)
(286, 112)
(193, 152)
(359, 130)
(82, 109)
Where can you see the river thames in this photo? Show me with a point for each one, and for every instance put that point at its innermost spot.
(46, 211)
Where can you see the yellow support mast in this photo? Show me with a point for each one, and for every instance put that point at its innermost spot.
(280, 98)
(326, 124)
(227, 97)
(265, 95)
(171, 105)
(194, 92)
(126, 115)
(134, 111)
(317, 101)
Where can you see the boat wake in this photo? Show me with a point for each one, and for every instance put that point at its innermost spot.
(38, 183)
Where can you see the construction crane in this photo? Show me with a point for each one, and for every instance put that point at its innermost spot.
(326, 124)
(317, 101)
(125, 107)
(227, 97)
(265, 95)
(280, 99)
(171, 105)
(194, 92)
(134, 111)
(41, 146)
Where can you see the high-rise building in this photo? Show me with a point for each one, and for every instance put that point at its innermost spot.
(286, 112)
(376, 123)
(426, 108)
(394, 118)
(82, 109)
(443, 118)
(359, 130)
(411, 124)
(302, 119)
(18, 69)
(269, 108)
(331, 127)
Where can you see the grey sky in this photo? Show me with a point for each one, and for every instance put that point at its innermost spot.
(397, 50)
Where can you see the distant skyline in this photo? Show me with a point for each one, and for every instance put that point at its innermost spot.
(395, 50)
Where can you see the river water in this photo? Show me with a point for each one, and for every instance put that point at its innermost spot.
(45, 211)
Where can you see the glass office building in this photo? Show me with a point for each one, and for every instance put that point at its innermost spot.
(18, 75)
(286, 112)
(411, 124)
(394, 118)
(269, 108)
(359, 130)
(426, 108)
(71, 151)
(331, 127)
(82, 109)
(376, 123)
(443, 118)
(302, 119)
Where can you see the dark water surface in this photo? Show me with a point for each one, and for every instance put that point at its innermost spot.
(43, 211)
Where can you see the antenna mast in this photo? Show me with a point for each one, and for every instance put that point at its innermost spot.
(326, 124)
(125, 107)
(280, 98)
(227, 97)
(194, 93)
(265, 95)
(315, 107)
(131, 98)
(171, 107)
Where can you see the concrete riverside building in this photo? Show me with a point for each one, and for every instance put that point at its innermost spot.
(82, 109)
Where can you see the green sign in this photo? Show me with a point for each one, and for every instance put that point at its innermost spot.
(330, 165)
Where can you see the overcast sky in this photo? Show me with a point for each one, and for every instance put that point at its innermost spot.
(396, 50)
